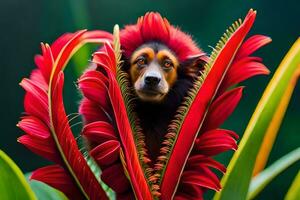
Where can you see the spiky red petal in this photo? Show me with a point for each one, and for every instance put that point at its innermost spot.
(196, 160)
(193, 121)
(152, 27)
(202, 177)
(57, 177)
(222, 108)
(216, 141)
(106, 65)
(43, 100)
(92, 111)
(252, 44)
(106, 153)
(99, 132)
(114, 177)
(94, 87)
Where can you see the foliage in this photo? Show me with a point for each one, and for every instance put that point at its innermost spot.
(13, 184)
(185, 168)
(264, 123)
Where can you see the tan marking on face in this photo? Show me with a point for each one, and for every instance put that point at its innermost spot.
(147, 51)
(135, 73)
(163, 54)
(163, 62)
(171, 75)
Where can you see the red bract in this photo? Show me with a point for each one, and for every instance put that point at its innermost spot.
(208, 109)
(46, 123)
(105, 139)
(115, 140)
(183, 170)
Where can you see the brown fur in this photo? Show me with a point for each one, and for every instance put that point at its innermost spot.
(135, 72)
(155, 116)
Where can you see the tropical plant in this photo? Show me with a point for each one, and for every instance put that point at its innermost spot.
(117, 165)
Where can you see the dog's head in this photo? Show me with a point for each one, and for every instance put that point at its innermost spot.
(153, 71)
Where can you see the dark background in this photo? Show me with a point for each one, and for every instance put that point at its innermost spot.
(25, 23)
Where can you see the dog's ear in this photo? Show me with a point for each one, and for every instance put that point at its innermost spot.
(193, 65)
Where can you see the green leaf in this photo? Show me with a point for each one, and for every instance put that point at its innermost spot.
(294, 191)
(237, 179)
(97, 172)
(45, 192)
(13, 184)
(274, 125)
(260, 181)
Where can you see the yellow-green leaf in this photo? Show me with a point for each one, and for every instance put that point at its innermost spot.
(260, 181)
(294, 191)
(274, 125)
(13, 184)
(237, 179)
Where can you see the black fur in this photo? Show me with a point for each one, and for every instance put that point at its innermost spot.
(155, 117)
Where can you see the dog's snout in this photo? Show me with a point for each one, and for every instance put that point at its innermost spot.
(152, 80)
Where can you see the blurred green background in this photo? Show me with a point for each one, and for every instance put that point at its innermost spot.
(26, 23)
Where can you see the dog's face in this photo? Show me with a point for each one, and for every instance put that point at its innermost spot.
(153, 71)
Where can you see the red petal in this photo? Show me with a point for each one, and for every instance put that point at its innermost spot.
(252, 44)
(36, 104)
(45, 61)
(93, 86)
(106, 57)
(133, 166)
(66, 51)
(36, 100)
(101, 57)
(95, 75)
(189, 192)
(74, 41)
(115, 178)
(37, 77)
(98, 34)
(92, 111)
(106, 153)
(34, 127)
(195, 116)
(196, 160)
(184, 46)
(57, 177)
(130, 38)
(60, 42)
(222, 108)
(41, 146)
(203, 177)
(215, 141)
(154, 27)
(243, 69)
(127, 196)
(181, 196)
(99, 132)
(77, 163)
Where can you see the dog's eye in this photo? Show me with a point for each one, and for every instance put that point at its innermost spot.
(168, 64)
(141, 61)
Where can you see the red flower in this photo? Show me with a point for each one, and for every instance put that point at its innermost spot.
(184, 169)
(197, 122)
(46, 123)
(101, 90)
(209, 105)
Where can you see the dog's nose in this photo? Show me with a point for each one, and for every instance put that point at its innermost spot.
(152, 81)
